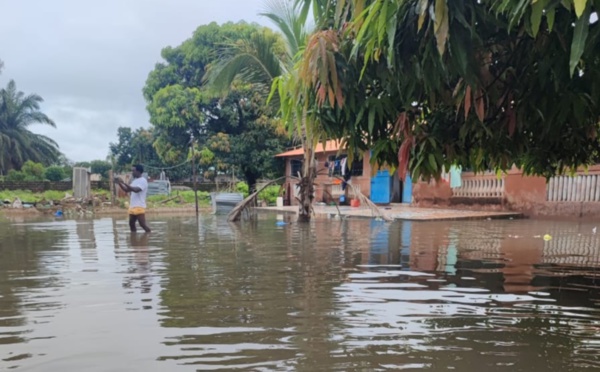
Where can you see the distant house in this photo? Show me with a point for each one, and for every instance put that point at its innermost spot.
(381, 186)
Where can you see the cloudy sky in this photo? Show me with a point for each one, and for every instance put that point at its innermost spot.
(89, 59)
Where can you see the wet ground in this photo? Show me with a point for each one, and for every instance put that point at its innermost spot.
(403, 212)
(349, 295)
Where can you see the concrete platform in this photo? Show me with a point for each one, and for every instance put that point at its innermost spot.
(403, 212)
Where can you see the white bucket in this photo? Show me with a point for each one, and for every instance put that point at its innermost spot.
(279, 201)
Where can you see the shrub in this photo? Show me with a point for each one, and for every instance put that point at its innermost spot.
(242, 187)
(270, 194)
(15, 176)
(33, 171)
(54, 173)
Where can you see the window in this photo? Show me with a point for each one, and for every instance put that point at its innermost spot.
(335, 166)
(296, 167)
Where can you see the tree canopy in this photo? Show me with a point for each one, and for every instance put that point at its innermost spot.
(481, 83)
(17, 113)
(227, 127)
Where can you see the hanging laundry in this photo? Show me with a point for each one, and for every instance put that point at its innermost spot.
(455, 177)
(343, 165)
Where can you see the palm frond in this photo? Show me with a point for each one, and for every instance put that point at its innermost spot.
(253, 61)
(17, 112)
(291, 22)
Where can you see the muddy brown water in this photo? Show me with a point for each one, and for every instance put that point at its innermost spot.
(350, 295)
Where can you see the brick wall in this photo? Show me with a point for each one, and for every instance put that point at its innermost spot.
(40, 186)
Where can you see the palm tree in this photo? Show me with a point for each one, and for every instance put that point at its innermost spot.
(259, 60)
(17, 112)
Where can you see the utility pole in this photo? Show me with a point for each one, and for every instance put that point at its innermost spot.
(194, 173)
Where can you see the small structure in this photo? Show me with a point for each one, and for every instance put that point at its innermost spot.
(381, 186)
(82, 183)
(159, 187)
(225, 202)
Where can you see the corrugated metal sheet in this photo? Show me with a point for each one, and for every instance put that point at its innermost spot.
(224, 202)
(159, 187)
(82, 184)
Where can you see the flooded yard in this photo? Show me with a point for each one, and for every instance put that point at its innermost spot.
(344, 295)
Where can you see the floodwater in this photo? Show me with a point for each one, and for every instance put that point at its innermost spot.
(350, 295)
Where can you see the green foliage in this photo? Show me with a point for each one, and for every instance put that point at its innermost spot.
(17, 143)
(185, 199)
(270, 194)
(15, 176)
(54, 173)
(483, 84)
(101, 167)
(66, 165)
(232, 133)
(31, 197)
(242, 188)
(137, 147)
(33, 171)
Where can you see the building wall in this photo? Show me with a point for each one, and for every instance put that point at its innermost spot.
(324, 182)
(526, 194)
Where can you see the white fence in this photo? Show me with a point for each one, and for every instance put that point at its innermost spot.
(573, 250)
(482, 186)
(580, 188)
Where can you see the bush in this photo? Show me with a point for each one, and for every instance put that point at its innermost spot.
(54, 173)
(101, 167)
(33, 171)
(242, 187)
(15, 176)
(270, 194)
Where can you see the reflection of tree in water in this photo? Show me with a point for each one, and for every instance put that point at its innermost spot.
(24, 267)
(256, 275)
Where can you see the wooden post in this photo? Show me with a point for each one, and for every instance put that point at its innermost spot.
(194, 177)
(111, 178)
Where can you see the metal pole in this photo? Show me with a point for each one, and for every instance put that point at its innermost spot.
(194, 176)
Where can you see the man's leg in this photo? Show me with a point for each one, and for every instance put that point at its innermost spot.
(142, 220)
(132, 219)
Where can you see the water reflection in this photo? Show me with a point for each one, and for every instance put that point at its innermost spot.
(335, 295)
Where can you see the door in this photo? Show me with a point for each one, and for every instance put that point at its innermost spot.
(407, 190)
(381, 187)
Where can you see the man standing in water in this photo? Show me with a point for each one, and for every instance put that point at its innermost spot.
(137, 203)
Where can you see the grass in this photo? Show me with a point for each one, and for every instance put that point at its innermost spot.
(31, 197)
(186, 197)
(28, 196)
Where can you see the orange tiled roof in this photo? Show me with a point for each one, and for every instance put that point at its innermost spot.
(330, 146)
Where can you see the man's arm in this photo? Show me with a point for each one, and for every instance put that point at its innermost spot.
(126, 187)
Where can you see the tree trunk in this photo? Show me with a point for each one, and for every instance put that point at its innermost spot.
(251, 181)
(307, 185)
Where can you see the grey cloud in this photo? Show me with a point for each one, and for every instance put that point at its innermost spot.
(89, 60)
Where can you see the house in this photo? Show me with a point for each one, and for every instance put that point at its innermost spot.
(380, 185)
(577, 196)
